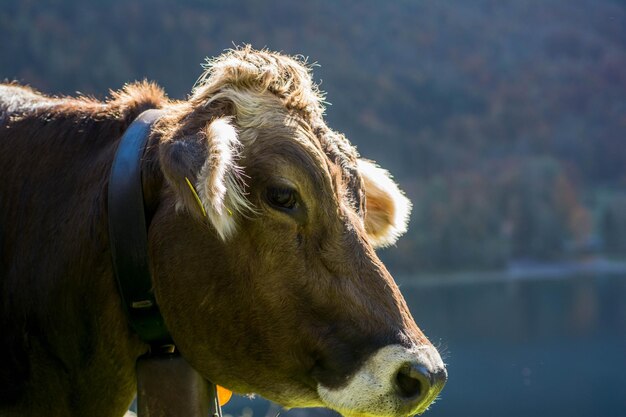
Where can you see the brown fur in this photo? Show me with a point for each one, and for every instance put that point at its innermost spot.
(281, 304)
(66, 347)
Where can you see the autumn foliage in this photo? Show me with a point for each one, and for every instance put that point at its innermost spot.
(504, 121)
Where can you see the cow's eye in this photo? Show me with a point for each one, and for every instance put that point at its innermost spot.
(282, 198)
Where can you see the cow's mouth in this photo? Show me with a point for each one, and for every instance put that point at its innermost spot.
(394, 381)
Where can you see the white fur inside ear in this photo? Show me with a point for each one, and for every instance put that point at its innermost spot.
(387, 208)
(219, 185)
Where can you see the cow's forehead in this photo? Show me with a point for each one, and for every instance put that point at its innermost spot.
(327, 157)
(262, 115)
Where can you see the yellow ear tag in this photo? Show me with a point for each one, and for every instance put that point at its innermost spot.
(223, 395)
(196, 196)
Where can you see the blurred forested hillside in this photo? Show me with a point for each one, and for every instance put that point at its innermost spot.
(505, 122)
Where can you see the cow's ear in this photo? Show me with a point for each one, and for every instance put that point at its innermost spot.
(387, 209)
(203, 169)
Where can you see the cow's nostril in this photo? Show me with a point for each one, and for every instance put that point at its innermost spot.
(412, 380)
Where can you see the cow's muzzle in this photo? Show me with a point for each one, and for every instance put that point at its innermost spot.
(394, 381)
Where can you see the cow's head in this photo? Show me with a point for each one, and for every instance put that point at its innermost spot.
(267, 278)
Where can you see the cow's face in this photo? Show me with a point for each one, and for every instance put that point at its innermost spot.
(264, 261)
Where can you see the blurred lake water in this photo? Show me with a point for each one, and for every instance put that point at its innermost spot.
(551, 346)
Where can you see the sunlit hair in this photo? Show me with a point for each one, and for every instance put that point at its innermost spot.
(247, 70)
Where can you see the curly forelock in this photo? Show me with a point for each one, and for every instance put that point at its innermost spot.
(247, 69)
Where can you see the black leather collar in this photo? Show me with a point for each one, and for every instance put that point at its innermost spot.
(128, 233)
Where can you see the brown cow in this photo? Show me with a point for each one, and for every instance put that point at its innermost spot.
(277, 290)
